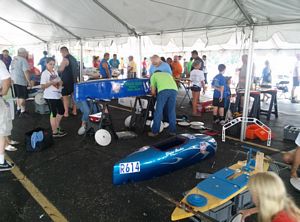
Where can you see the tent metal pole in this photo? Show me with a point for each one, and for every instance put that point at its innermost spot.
(29, 33)
(81, 62)
(132, 30)
(242, 9)
(49, 19)
(248, 83)
(140, 57)
(195, 29)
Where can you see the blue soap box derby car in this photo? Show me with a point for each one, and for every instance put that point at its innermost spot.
(164, 157)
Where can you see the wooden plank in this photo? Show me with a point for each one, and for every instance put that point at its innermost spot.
(255, 144)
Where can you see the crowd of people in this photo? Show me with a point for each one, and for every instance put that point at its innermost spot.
(267, 189)
(17, 76)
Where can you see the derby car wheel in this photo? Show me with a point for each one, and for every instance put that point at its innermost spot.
(161, 126)
(103, 137)
(39, 99)
(127, 121)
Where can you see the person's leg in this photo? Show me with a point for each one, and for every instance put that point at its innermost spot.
(293, 92)
(5, 130)
(52, 116)
(53, 124)
(58, 120)
(221, 112)
(18, 106)
(288, 157)
(171, 106)
(295, 84)
(85, 110)
(197, 100)
(23, 95)
(160, 103)
(196, 96)
(66, 105)
(74, 108)
(194, 103)
(2, 149)
(221, 115)
(296, 163)
(22, 105)
(60, 111)
(16, 92)
(215, 110)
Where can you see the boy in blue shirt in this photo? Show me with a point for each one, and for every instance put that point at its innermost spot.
(219, 84)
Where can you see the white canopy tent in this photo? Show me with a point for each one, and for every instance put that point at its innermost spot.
(213, 21)
(183, 22)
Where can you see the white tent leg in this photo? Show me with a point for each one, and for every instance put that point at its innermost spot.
(248, 84)
(81, 61)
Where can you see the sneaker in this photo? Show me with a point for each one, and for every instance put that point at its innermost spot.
(59, 134)
(10, 148)
(81, 130)
(55, 135)
(13, 142)
(61, 130)
(294, 101)
(152, 134)
(62, 133)
(6, 166)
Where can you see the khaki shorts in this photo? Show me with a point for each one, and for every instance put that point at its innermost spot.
(5, 118)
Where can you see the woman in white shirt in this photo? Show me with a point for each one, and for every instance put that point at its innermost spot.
(198, 81)
(52, 85)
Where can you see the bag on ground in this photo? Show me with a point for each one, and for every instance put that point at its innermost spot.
(38, 139)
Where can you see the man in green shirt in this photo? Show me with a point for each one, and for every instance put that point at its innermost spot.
(164, 87)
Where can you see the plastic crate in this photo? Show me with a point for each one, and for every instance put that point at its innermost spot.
(262, 134)
(290, 132)
(204, 106)
(243, 200)
(221, 213)
(250, 131)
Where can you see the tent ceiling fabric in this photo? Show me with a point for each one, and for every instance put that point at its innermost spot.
(180, 21)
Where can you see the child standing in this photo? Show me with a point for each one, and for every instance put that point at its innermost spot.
(52, 85)
(219, 84)
(198, 81)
